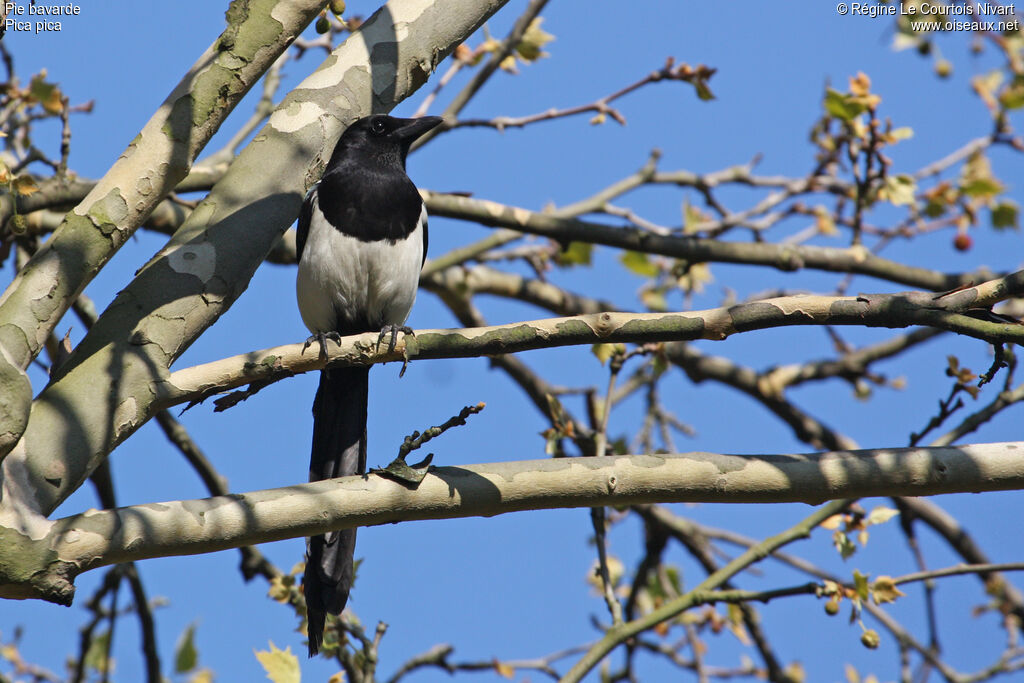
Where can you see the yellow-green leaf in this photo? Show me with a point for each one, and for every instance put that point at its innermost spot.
(96, 656)
(639, 263)
(534, 39)
(900, 189)
(281, 665)
(654, 299)
(981, 187)
(509, 64)
(25, 185)
(881, 515)
(844, 107)
(201, 676)
(1006, 214)
(703, 91)
(976, 179)
(576, 254)
(606, 351)
(884, 590)
(186, 657)
(1012, 97)
(47, 94)
(824, 222)
(897, 134)
(695, 277)
(860, 584)
(843, 544)
(693, 217)
(504, 670)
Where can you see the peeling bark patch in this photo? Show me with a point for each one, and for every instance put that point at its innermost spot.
(213, 90)
(851, 309)
(110, 213)
(669, 328)
(178, 127)
(756, 316)
(575, 331)
(199, 259)
(258, 33)
(144, 187)
(419, 73)
(328, 75)
(44, 304)
(295, 116)
(126, 414)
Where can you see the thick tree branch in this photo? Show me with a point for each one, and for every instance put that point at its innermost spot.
(889, 310)
(155, 161)
(206, 266)
(44, 564)
(787, 257)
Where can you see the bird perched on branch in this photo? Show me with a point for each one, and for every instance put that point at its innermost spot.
(362, 239)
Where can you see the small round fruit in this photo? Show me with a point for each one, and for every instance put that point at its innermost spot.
(962, 241)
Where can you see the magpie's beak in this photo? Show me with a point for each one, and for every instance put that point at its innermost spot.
(413, 128)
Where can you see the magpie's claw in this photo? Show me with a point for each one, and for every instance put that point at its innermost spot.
(321, 338)
(393, 330)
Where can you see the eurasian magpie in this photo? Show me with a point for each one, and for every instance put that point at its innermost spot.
(362, 239)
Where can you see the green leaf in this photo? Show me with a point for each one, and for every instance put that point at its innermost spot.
(843, 544)
(639, 263)
(534, 38)
(897, 134)
(576, 254)
(1012, 97)
(844, 107)
(281, 665)
(1006, 215)
(606, 351)
(96, 655)
(976, 178)
(47, 94)
(654, 299)
(860, 584)
(881, 515)
(186, 657)
(884, 590)
(703, 91)
(900, 189)
(982, 187)
(25, 185)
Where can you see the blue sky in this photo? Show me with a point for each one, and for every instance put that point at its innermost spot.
(513, 586)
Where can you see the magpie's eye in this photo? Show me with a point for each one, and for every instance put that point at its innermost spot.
(377, 127)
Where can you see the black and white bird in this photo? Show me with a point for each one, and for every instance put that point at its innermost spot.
(362, 239)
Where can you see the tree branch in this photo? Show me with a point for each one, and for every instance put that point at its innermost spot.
(196, 277)
(787, 257)
(155, 161)
(44, 564)
(888, 310)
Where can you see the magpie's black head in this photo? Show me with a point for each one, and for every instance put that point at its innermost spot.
(381, 139)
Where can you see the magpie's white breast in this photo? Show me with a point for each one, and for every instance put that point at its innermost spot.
(355, 284)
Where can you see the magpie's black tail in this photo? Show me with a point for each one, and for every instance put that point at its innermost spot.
(339, 449)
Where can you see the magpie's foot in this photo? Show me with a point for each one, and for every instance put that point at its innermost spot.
(393, 330)
(321, 338)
